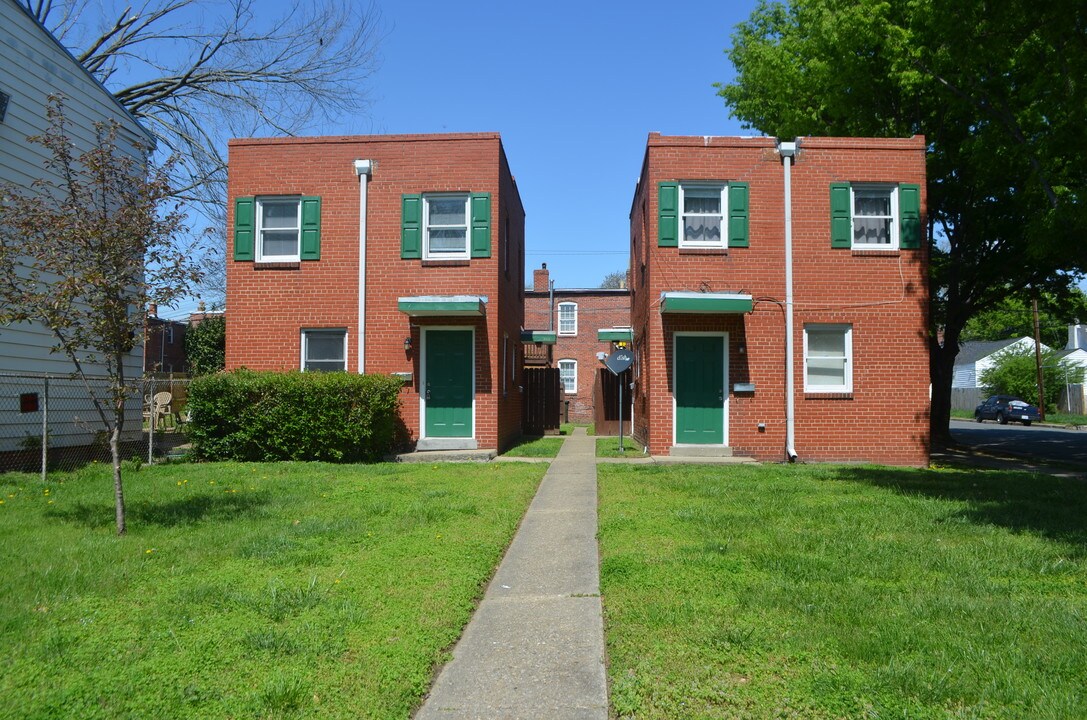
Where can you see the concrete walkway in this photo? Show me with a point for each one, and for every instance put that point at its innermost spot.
(535, 647)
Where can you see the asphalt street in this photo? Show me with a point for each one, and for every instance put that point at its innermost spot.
(1049, 443)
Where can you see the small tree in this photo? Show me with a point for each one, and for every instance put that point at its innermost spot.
(614, 280)
(1015, 373)
(83, 252)
(205, 345)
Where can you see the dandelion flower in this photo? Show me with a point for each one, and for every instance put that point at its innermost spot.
(148, 551)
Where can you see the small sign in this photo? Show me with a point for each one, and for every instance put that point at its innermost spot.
(28, 402)
(619, 361)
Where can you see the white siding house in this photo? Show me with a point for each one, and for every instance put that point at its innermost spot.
(33, 66)
(976, 357)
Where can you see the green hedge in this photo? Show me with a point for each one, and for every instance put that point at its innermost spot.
(334, 417)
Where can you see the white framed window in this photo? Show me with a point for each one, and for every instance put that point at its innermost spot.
(828, 358)
(567, 318)
(568, 376)
(875, 209)
(702, 218)
(278, 226)
(324, 350)
(445, 223)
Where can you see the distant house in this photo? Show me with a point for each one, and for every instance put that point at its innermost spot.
(977, 356)
(566, 328)
(164, 345)
(1075, 351)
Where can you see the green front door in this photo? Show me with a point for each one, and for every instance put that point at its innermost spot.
(448, 383)
(700, 389)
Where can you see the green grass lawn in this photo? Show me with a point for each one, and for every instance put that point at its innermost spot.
(547, 447)
(843, 592)
(609, 447)
(255, 591)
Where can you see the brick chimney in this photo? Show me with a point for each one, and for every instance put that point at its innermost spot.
(541, 278)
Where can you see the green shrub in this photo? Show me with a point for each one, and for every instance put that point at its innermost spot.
(334, 417)
(1016, 373)
(205, 345)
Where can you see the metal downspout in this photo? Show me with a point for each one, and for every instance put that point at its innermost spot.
(787, 150)
(363, 169)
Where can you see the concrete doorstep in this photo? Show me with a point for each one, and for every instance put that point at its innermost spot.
(535, 646)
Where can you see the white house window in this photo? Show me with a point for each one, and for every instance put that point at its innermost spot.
(703, 215)
(875, 208)
(324, 350)
(828, 358)
(277, 229)
(568, 375)
(445, 218)
(568, 318)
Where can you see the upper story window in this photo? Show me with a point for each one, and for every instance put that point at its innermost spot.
(445, 226)
(876, 216)
(278, 228)
(324, 350)
(703, 215)
(567, 318)
(445, 219)
(828, 358)
(875, 208)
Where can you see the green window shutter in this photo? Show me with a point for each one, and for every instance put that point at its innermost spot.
(737, 215)
(909, 212)
(481, 225)
(244, 226)
(311, 229)
(841, 226)
(411, 227)
(668, 215)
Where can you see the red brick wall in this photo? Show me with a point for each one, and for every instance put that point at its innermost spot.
(882, 295)
(270, 307)
(596, 309)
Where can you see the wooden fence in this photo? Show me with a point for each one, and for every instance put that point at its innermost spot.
(541, 408)
(606, 410)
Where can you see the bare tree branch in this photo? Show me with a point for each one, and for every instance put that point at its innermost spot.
(198, 72)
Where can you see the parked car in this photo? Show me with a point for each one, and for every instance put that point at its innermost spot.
(1003, 408)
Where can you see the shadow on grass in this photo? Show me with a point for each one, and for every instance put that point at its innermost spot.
(1051, 507)
(166, 514)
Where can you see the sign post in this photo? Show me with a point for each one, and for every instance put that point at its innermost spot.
(618, 362)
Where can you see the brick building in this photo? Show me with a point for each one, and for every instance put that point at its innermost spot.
(436, 298)
(713, 222)
(581, 322)
(164, 344)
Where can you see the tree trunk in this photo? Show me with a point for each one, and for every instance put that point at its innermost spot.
(941, 371)
(118, 489)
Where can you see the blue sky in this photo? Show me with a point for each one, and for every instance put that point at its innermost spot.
(574, 89)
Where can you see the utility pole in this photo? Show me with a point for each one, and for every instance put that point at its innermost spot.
(1038, 357)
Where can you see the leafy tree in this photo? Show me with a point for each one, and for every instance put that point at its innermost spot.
(198, 72)
(205, 345)
(1015, 372)
(614, 280)
(83, 252)
(1012, 317)
(997, 89)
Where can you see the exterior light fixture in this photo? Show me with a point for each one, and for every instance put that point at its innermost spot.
(407, 344)
(4, 97)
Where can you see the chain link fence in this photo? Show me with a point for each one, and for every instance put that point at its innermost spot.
(52, 422)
